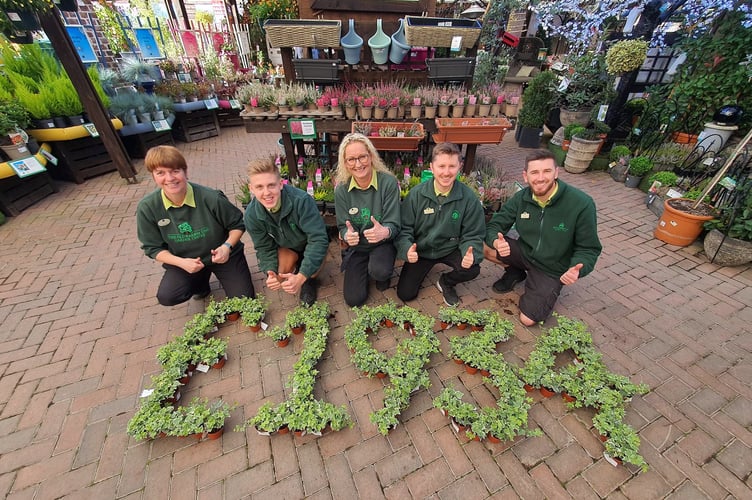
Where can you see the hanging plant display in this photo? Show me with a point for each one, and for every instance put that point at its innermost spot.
(406, 369)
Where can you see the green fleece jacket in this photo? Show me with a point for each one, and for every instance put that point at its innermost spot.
(554, 238)
(187, 231)
(358, 205)
(298, 225)
(439, 229)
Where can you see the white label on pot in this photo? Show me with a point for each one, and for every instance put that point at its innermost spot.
(673, 193)
(456, 44)
(13, 16)
(202, 368)
(146, 393)
(264, 326)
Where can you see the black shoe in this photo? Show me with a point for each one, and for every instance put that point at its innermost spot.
(308, 292)
(202, 295)
(449, 292)
(512, 276)
(382, 285)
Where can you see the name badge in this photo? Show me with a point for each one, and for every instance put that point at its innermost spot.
(353, 211)
(428, 211)
(163, 222)
(524, 215)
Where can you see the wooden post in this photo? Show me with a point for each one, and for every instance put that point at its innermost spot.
(53, 27)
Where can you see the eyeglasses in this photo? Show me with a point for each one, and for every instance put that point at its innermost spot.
(361, 159)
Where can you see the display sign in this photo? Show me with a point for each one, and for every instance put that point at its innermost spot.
(81, 43)
(147, 43)
(302, 128)
(27, 166)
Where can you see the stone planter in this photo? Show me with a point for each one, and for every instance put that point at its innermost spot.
(581, 153)
(725, 250)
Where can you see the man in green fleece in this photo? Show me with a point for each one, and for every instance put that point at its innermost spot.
(192, 230)
(442, 222)
(287, 231)
(558, 238)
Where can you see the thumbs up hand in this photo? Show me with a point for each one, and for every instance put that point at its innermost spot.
(352, 237)
(273, 281)
(468, 259)
(412, 254)
(377, 232)
(501, 245)
(572, 274)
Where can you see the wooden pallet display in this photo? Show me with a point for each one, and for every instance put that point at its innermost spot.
(191, 126)
(229, 118)
(18, 194)
(138, 144)
(80, 159)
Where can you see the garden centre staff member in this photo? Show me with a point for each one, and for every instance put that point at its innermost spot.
(192, 230)
(442, 222)
(287, 231)
(367, 201)
(558, 238)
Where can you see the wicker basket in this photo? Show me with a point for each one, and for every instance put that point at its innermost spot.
(438, 32)
(303, 32)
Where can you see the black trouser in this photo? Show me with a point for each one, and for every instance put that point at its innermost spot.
(378, 263)
(177, 285)
(412, 275)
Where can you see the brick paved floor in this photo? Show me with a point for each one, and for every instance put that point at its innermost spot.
(81, 326)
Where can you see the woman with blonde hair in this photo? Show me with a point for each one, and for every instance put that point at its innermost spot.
(367, 200)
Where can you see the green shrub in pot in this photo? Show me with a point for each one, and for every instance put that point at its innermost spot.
(640, 165)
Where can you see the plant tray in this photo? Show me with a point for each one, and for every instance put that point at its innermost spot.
(471, 130)
(391, 143)
(303, 32)
(439, 32)
(316, 70)
(451, 68)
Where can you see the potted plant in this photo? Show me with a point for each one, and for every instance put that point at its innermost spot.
(214, 422)
(471, 130)
(279, 335)
(569, 131)
(537, 99)
(13, 118)
(210, 352)
(252, 311)
(619, 162)
(582, 150)
(139, 72)
(638, 167)
(625, 56)
(587, 86)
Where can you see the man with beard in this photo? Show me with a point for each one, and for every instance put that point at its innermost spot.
(558, 238)
(287, 230)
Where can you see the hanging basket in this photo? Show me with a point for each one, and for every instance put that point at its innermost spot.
(439, 32)
(302, 32)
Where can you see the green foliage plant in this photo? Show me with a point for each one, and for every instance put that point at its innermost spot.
(640, 165)
(538, 98)
(626, 55)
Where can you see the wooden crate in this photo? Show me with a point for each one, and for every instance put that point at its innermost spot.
(229, 118)
(138, 144)
(80, 159)
(18, 194)
(191, 126)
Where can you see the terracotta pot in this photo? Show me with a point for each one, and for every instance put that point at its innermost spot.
(529, 388)
(380, 375)
(444, 325)
(184, 379)
(255, 328)
(299, 433)
(216, 434)
(684, 138)
(677, 227)
(603, 438)
(477, 328)
(297, 330)
(493, 439)
(459, 361)
(283, 342)
(567, 398)
(219, 364)
(485, 373)
(547, 393)
(233, 316)
(461, 326)
(565, 144)
(283, 430)
(388, 323)
(471, 369)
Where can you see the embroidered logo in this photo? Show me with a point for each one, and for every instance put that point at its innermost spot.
(561, 227)
(185, 228)
(455, 215)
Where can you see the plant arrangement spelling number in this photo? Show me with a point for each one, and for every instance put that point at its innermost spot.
(302, 412)
(157, 415)
(406, 369)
